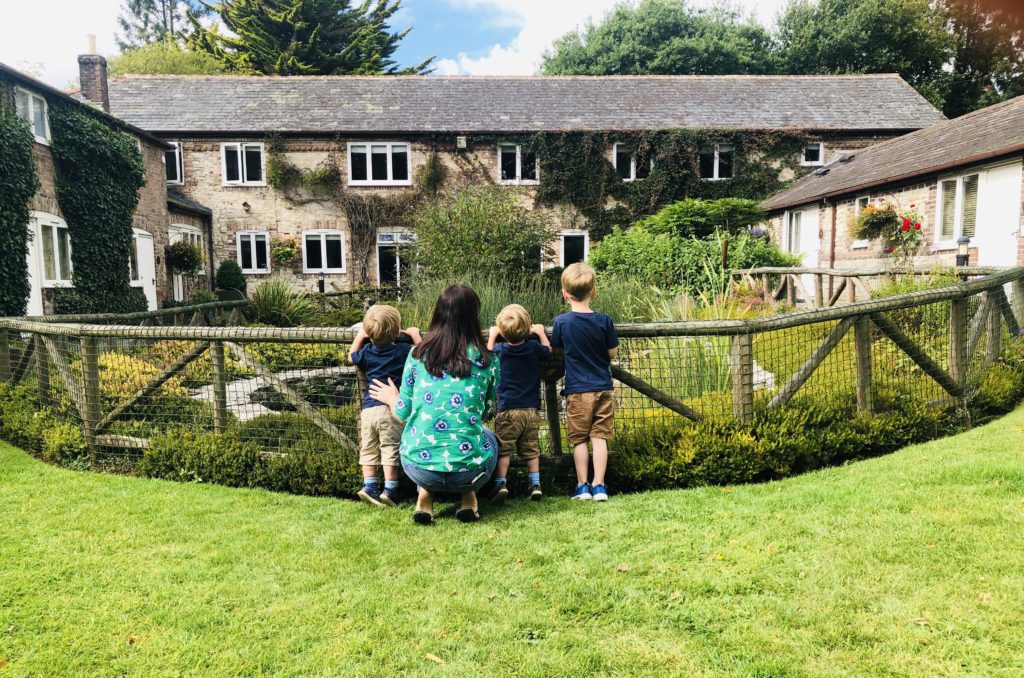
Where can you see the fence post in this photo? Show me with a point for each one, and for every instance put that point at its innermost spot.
(851, 290)
(220, 387)
(743, 376)
(819, 290)
(42, 372)
(5, 356)
(551, 406)
(1017, 300)
(90, 390)
(958, 332)
(994, 329)
(790, 290)
(766, 287)
(862, 343)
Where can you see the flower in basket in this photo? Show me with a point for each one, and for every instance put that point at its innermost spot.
(184, 257)
(898, 229)
(284, 251)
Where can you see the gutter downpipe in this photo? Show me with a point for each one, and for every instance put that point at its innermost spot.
(832, 245)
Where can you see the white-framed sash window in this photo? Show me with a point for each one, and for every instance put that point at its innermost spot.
(174, 164)
(517, 165)
(379, 164)
(860, 203)
(32, 109)
(624, 161)
(54, 250)
(191, 235)
(242, 164)
(956, 212)
(253, 251)
(323, 251)
(813, 154)
(793, 224)
(715, 162)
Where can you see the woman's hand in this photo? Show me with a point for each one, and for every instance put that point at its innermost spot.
(384, 393)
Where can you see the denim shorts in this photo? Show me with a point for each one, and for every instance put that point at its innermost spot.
(470, 480)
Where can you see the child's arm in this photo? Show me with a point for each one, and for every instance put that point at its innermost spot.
(414, 334)
(357, 344)
(492, 337)
(612, 339)
(538, 329)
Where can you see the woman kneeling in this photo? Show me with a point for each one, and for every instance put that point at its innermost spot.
(448, 384)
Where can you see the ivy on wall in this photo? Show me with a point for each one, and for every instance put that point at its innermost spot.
(18, 183)
(99, 173)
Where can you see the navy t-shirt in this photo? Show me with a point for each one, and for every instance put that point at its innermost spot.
(381, 362)
(586, 339)
(519, 380)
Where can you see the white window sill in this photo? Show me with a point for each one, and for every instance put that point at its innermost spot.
(264, 271)
(41, 140)
(812, 164)
(57, 284)
(519, 182)
(182, 183)
(380, 183)
(860, 244)
(945, 246)
(715, 178)
(250, 184)
(325, 271)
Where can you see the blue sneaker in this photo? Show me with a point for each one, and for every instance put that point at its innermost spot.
(600, 493)
(582, 492)
(390, 497)
(371, 495)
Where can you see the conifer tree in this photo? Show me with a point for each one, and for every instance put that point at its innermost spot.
(143, 22)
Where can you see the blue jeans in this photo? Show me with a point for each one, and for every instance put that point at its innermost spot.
(456, 481)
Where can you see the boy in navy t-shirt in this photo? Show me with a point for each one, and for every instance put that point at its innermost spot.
(518, 420)
(379, 432)
(589, 342)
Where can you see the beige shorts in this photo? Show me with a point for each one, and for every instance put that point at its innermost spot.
(379, 436)
(589, 415)
(516, 431)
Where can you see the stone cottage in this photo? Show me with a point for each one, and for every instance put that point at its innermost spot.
(380, 131)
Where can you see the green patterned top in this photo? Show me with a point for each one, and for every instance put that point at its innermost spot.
(444, 416)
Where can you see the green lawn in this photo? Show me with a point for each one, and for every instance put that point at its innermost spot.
(912, 564)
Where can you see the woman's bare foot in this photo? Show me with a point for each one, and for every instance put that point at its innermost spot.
(425, 501)
(469, 501)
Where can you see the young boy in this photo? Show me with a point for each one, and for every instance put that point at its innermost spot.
(589, 343)
(380, 433)
(518, 420)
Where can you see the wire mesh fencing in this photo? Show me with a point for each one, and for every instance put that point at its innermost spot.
(293, 390)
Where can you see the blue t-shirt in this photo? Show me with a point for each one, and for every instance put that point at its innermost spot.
(519, 380)
(586, 339)
(381, 362)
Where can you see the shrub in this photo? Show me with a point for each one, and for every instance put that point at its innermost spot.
(63, 443)
(20, 422)
(276, 303)
(316, 473)
(655, 258)
(189, 456)
(1002, 385)
(696, 218)
(230, 276)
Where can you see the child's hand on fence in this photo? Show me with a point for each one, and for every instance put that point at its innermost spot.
(492, 337)
(414, 334)
(538, 329)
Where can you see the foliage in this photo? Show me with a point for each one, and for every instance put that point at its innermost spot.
(1002, 385)
(320, 473)
(98, 176)
(185, 257)
(899, 229)
(276, 303)
(63, 443)
(284, 251)
(664, 37)
(303, 37)
(655, 258)
(230, 276)
(18, 183)
(699, 218)
(478, 230)
(163, 57)
(279, 356)
(122, 375)
(22, 422)
(150, 21)
(187, 456)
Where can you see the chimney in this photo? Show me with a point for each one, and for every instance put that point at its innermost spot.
(92, 72)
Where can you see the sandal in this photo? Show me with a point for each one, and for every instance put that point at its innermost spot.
(423, 518)
(467, 514)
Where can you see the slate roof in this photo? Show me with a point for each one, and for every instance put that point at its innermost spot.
(988, 133)
(468, 104)
(187, 204)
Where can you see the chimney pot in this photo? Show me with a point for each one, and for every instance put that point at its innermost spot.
(92, 72)
(90, 41)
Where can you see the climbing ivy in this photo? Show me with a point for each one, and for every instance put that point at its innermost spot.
(18, 183)
(99, 173)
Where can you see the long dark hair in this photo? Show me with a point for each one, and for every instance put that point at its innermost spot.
(454, 327)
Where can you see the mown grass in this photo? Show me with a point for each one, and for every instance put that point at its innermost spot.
(905, 565)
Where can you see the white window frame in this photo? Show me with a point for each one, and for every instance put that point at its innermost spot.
(370, 181)
(718, 149)
(41, 220)
(519, 180)
(243, 180)
(787, 230)
(632, 162)
(179, 164)
(252, 251)
(575, 232)
(860, 244)
(193, 234)
(323, 233)
(821, 155)
(958, 209)
(33, 98)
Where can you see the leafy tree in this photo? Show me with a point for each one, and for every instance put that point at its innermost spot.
(164, 57)
(145, 21)
(663, 37)
(303, 37)
(700, 218)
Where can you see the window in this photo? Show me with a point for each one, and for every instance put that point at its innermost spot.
(242, 164)
(383, 164)
(174, 164)
(793, 220)
(715, 162)
(814, 154)
(516, 166)
(957, 208)
(624, 160)
(253, 254)
(55, 246)
(323, 252)
(32, 109)
(860, 203)
(192, 236)
(575, 246)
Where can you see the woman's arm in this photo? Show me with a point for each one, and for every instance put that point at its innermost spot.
(387, 394)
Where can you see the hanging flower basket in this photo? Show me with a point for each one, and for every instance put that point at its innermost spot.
(899, 230)
(184, 258)
(284, 251)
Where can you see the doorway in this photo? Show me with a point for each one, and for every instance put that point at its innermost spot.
(394, 264)
(143, 265)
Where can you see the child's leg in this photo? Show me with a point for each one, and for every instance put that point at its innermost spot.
(369, 447)
(392, 473)
(600, 459)
(581, 457)
(501, 471)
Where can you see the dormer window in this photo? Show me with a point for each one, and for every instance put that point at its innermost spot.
(32, 109)
(813, 155)
(626, 166)
(517, 165)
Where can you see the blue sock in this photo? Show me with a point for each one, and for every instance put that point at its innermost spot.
(534, 477)
(370, 482)
(500, 481)
(390, 484)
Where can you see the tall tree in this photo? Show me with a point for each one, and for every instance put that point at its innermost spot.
(146, 21)
(303, 37)
(663, 37)
(165, 56)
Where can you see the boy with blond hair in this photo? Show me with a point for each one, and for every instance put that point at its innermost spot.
(380, 433)
(589, 342)
(517, 422)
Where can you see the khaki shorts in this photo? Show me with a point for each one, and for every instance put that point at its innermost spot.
(589, 415)
(379, 436)
(517, 432)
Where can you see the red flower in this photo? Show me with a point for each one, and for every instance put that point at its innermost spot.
(891, 249)
(906, 224)
(912, 206)
(917, 227)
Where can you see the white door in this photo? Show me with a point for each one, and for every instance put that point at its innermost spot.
(143, 265)
(801, 237)
(998, 222)
(35, 273)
